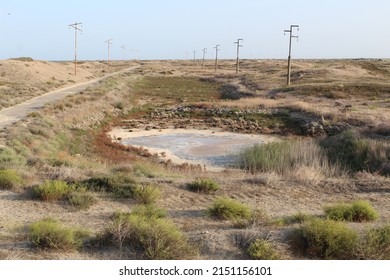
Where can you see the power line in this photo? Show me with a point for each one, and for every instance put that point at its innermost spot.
(289, 50)
(238, 55)
(216, 56)
(76, 28)
(109, 42)
(204, 52)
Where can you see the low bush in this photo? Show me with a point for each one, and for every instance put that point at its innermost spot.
(9, 157)
(9, 179)
(258, 218)
(149, 211)
(121, 186)
(146, 194)
(203, 186)
(325, 239)
(375, 244)
(357, 211)
(51, 234)
(297, 218)
(262, 249)
(229, 209)
(53, 190)
(81, 199)
(146, 232)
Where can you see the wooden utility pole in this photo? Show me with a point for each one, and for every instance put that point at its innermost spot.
(109, 42)
(289, 51)
(124, 48)
(238, 55)
(216, 56)
(204, 52)
(76, 28)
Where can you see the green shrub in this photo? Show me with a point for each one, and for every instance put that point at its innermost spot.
(121, 186)
(262, 249)
(9, 179)
(51, 234)
(375, 244)
(159, 239)
(229, 209)
(81, 199)
(53, 190)
(149, 234)
(357, 211)
(149, 211)
(326, 239)
(146, 194)
(204, 186)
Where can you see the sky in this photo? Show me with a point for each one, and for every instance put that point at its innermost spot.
(173, 29)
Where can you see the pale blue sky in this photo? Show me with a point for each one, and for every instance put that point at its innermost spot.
(172, 29)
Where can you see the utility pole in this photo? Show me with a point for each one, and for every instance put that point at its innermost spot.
(204, 52)
(289, 50)
(216, 56)
(124, 48)
(194, 57)
(76, 28)
(238, 55)
(109, 42)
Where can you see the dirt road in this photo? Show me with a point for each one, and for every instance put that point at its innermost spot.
(15, 113)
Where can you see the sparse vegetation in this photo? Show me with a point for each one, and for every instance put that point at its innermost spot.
(357, 211)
